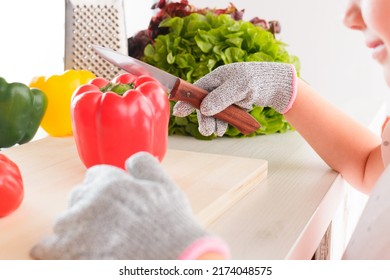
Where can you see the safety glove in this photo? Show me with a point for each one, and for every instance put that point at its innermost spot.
(138, 214)
(264, 84)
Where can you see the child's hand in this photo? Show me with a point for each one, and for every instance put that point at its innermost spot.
(139, 214)
(265, 84)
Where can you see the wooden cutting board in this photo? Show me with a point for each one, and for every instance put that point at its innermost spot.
(51, 168)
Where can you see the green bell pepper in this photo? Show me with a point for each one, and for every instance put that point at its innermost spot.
(21, 112)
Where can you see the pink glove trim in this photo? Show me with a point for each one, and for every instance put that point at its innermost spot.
(205, 245)
(294, 90)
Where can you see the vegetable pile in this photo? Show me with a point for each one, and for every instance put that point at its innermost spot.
(190, 42)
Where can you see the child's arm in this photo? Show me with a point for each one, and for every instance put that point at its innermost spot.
(342, 143)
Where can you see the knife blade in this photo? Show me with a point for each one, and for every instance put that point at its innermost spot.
(179, 89)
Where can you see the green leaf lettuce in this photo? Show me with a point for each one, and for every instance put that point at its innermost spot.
(196, 44)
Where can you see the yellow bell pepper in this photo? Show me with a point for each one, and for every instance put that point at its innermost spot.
(59, 90)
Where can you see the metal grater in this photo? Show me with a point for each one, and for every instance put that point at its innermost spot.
(100, 22)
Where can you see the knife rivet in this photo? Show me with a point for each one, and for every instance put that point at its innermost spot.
(188, 94)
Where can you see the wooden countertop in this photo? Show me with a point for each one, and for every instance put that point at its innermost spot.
(51, 169)
(298, 197)
(286, 215)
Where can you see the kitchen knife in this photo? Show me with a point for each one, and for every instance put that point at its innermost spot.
(179, 89)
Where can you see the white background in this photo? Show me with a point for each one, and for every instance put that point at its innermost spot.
(334, 59)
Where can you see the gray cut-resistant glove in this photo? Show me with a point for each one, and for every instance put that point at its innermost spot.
(139, 214)
(265, 84)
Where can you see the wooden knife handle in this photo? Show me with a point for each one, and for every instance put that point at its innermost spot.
(234, 115)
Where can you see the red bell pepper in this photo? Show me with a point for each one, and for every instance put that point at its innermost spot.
(11, 186)
(113, 120)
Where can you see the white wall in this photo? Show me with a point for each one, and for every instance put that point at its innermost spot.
(334, 59)
(33, 35)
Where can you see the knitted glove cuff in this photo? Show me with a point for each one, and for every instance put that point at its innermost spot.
(205, 245)
(294, 89)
